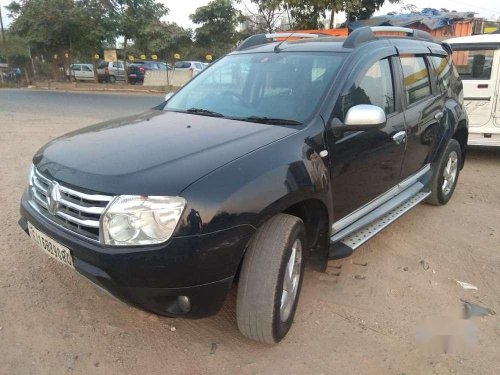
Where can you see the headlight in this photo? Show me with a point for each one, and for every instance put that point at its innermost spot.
(136, 220)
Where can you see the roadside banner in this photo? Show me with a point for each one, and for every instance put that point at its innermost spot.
(110, 55)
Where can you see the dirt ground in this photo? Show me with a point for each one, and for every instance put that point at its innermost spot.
(394, 307)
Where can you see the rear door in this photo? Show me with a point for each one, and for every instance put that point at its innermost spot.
(424, 111)
(477, 65)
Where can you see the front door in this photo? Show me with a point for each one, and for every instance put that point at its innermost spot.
(477, 65)
(366, 164)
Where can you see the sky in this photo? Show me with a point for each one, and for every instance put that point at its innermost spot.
(181, 9)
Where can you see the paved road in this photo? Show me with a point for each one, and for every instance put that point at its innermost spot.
(72, 104)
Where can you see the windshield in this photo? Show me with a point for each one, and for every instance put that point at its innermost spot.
(285, 85)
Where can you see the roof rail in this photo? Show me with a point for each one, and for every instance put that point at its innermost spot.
(258, 39)
(367, 33)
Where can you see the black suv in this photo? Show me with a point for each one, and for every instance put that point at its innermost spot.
(280, 153)
(137, 70)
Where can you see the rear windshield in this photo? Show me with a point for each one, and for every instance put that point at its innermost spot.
(286, 85)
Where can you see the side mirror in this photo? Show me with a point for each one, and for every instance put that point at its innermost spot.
(168, 95)
(365, 116)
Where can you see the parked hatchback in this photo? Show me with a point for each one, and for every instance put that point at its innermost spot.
(80, 72)
(111, 71)
(282, 153)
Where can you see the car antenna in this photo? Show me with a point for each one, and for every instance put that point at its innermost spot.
(277, 46)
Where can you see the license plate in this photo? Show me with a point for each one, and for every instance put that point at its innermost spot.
(51, 247)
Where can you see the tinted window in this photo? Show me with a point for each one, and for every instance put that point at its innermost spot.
(86, 68)
(76, 68)
(416, 78)
(442, 70)
(373, 87)
(473, 64)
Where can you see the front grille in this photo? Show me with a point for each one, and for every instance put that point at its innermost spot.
(76, 211)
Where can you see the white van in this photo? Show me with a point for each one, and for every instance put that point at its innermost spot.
(477, 59)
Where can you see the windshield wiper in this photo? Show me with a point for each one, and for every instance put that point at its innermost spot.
(207, 112)
(272, 120)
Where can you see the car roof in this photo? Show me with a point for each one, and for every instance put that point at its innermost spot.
(483, 38)
(336, 44)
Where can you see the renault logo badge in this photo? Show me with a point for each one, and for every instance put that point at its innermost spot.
(53, 197)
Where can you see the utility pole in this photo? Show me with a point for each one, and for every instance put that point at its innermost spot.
(1, 25)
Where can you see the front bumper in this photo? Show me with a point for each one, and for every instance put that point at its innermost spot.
(201, 268)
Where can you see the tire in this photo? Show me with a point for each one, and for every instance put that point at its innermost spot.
(262, 278)
(72, 79)
(112, 79)
(449, 162)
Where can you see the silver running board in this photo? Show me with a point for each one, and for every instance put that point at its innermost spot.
(359, 237)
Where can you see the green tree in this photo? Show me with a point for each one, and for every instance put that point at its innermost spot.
(47, 24)
(132, 17)
(217, 32)
(267, 16)
(14, 50)
(96, 27)
(306, 14)
(364, 9)
(164, 39)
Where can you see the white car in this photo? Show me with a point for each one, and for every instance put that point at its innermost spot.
(477, 59)
(80, 72)
(194, 66)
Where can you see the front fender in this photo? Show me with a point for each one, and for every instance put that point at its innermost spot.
(249, 190)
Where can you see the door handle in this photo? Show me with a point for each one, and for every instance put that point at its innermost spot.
(439, 115)
(399, 137)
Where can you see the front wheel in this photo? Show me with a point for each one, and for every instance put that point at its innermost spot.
(112, 79)
(445, 177)
(270, 279)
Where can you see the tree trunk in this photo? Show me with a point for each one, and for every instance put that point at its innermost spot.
(332, 19)
(125, 59)
(94, 66)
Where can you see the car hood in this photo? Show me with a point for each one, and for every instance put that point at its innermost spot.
(154, 153)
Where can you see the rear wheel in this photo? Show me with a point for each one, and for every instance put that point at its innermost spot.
(271, 279)
(112, 79)
(446, 174)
